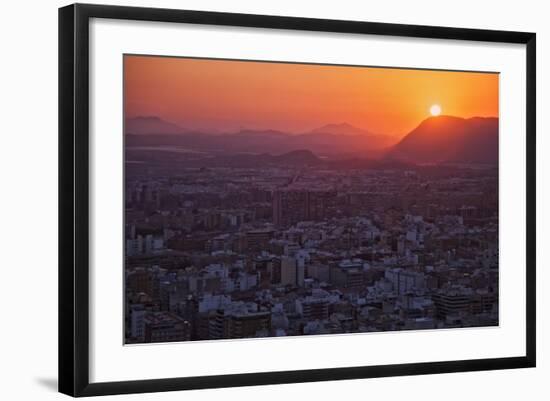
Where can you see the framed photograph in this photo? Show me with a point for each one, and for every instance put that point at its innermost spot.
(251, 199)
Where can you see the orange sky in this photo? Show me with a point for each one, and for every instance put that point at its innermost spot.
(229, 95)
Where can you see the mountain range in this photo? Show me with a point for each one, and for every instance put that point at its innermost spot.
(332, 139)
(147, 125)
(442, 139)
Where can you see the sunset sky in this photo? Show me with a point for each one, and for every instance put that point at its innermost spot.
(229, 95)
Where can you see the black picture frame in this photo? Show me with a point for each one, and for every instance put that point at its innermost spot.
(74, 198)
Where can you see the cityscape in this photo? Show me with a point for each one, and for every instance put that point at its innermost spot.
(288, 231)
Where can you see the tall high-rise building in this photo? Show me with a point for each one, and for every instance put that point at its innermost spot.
(292, 271)
(293, 206)
(288, 271)
(289, 207)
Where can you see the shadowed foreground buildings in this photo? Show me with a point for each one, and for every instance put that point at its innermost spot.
(234, 252)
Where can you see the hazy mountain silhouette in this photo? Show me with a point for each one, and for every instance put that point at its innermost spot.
(450, 139)
(351, 135)
(332, 139)
(151, 125)
(298, 157)
(269, 133)
(436, 140)
(340, 129)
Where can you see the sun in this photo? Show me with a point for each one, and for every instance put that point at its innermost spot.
(435, 110)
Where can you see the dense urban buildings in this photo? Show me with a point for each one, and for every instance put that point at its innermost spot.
(284, 249)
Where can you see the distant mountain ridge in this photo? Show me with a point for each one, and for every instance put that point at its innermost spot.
(329, 139)
(436, 140)
(151, 125)
(340, 129)
(448, 139)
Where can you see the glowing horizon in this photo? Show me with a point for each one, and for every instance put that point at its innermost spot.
(228, 95)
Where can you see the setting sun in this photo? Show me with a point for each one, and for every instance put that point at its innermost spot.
(296, 98)
(435, 110)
